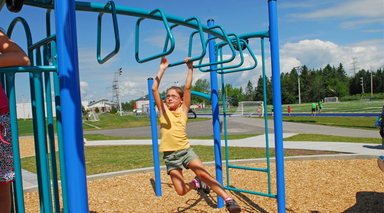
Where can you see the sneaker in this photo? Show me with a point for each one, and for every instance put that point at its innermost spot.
(203, 186)
(232, 206)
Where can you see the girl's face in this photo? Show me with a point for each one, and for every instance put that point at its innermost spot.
(173, 99)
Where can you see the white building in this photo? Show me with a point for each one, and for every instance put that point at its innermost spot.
(24, 110)
(142, 104)
(103, 104)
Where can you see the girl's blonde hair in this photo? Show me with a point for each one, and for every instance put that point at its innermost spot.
(178, 90)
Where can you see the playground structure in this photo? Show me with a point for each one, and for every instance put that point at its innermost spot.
(61, 47)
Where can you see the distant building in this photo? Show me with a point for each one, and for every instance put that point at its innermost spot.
(142, 104)
(24, 110)
(104, 105)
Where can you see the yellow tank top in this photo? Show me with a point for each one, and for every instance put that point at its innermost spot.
(173, 130)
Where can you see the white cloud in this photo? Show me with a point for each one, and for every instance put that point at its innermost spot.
(355, 8)
(359, 23)
(83, 87)
(317, 54)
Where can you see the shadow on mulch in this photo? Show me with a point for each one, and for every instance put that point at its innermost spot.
(192, 202)
(368, 202)
(251, 206)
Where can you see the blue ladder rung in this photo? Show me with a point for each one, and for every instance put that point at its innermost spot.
(251, 192)
(247, 168)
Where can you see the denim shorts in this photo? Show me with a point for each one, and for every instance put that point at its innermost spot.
(179, 159)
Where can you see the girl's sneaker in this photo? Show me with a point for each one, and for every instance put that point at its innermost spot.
(202, 186)
(232, 206)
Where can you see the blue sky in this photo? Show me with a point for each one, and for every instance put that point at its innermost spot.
(311, 32)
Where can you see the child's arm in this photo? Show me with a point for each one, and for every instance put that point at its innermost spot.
(155, 87)
(187, 87)
(12, 54)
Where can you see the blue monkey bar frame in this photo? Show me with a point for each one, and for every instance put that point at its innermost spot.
(65, 73)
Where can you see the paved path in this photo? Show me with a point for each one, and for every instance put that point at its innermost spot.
(243, 126)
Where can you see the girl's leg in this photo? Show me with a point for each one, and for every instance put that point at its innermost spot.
(5, 197)
(177, 178)
(198, 168)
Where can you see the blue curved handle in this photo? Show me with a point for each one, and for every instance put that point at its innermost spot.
(195, 93)
(200, 31)
(241, 69)
(227, 40)
(200, 94)
(116, 30)
(169, 37)
(222, 62)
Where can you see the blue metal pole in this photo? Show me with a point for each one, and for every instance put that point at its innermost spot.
(18, 186)
(215, 114)
(278, 120)
(68, 65)
(155, 145)
(41, 136)
(265, 115)
(59, 128)
(51, 132)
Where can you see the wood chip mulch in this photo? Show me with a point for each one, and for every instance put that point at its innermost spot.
(311, 186)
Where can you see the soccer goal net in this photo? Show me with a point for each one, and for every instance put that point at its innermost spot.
(331, 100)
(92, 116)
(250, 108)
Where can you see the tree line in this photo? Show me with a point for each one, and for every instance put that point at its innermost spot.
(315, 85)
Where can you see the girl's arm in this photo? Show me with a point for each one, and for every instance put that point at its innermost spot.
(155, 86)
(12, 54)
(187, 87)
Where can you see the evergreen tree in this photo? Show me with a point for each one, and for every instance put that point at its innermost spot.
(258, 94)
(249, 91)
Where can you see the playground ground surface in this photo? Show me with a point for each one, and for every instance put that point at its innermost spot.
(327, 185)
(311, 186)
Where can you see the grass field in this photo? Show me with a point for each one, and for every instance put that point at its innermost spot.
(109, 121)
(353, 107)
(367, 123)
(117, 158)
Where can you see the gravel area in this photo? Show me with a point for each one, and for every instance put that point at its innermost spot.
(311, 186)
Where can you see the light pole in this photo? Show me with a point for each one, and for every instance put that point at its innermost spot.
(362, 85)
(298, 80)
(22, 100)
(118, 86)
(371, 83)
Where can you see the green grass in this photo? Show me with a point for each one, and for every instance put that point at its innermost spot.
(352, 107)
(331, 138)
(114, 121)
(109, 121)
(118, 158)
(347, 122)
